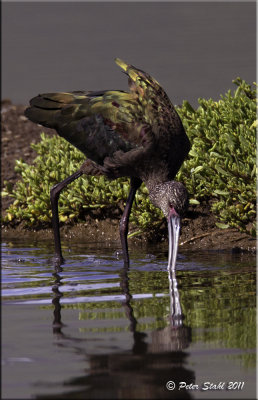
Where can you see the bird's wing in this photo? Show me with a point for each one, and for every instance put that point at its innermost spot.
(109, 123)
(153, 105)
(163, 127)
(91, 121)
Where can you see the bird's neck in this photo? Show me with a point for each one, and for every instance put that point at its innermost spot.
(153, 184)
(154, 179)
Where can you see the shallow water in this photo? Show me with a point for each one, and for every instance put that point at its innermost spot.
(94, 330)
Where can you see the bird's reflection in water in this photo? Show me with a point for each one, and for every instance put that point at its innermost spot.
(57, 323)
(154, 359)
(176, 336)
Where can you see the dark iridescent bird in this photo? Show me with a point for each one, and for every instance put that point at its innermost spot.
(136, 134)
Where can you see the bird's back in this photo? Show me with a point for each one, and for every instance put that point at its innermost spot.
(117, 126)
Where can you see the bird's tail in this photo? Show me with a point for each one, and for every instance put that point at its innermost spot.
(46, 109)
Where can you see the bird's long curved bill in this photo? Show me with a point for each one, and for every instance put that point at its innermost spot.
(173, 237)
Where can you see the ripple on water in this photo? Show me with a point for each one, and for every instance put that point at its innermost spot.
(91, 309)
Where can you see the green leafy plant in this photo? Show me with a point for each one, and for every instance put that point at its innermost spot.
(220, 168)
(222, 162)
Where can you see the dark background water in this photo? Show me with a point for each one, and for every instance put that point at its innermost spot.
(194, 49)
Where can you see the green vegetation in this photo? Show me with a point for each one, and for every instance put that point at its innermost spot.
(222, 162)
(220, 168)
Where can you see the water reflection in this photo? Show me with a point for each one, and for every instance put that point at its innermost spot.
(146, 365)
(95, 329)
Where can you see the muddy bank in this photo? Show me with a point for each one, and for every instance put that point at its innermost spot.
(198, 228)
(196, 234)
(105, 232)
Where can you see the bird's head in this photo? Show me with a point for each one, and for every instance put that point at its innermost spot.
(172, 198)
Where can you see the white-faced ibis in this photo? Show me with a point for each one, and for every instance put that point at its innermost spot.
(136, 134)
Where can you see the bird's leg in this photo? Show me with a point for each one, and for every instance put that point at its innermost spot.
(135, 184)
(54, 196)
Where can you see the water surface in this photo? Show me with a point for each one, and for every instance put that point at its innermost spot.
(95, 330)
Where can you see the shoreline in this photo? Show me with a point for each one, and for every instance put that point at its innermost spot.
(230, 240)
